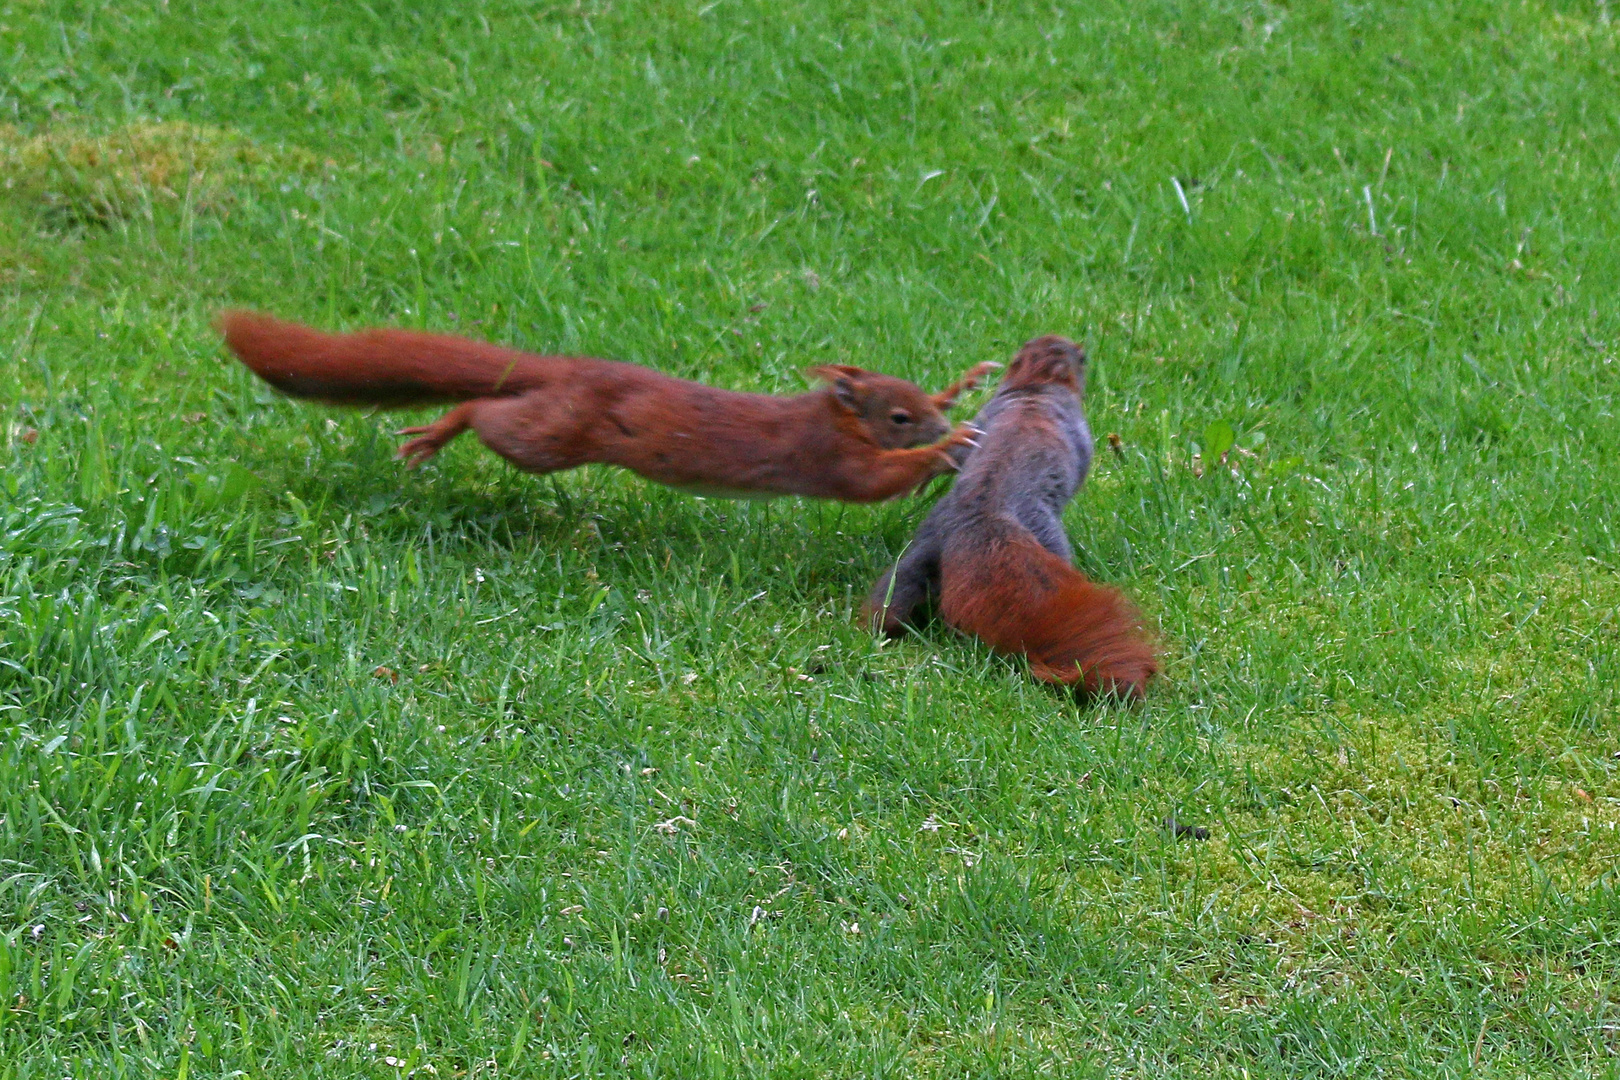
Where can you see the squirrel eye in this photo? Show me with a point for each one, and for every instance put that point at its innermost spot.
(900, 417)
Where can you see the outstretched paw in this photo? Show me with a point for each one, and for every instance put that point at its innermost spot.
(946, 398)
(978, 371)
(955, 447)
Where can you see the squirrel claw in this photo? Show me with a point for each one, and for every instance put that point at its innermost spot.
(954, 449)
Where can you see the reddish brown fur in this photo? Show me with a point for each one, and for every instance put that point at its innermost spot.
(859, 439)
(1020, 598)
(993, 553)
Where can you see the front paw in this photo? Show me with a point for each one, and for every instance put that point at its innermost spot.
(970, 381)
(956, 447)
(946, 398)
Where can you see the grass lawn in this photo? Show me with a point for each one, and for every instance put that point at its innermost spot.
(312, 767)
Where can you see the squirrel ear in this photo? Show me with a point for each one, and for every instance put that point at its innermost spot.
(843, 379)
(1051, 358)
(833, 372)
(843, 389)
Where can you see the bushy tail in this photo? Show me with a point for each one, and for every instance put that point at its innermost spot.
(379, 367)
(1020, 598)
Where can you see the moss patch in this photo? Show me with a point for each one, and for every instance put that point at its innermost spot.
(84, 178)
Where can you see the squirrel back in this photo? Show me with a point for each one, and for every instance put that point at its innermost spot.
(993, 554)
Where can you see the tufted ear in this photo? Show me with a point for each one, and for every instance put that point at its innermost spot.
(844, 380)
(1049, 359)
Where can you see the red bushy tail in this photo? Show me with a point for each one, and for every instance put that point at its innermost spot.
(1020, 598)
(379, 367)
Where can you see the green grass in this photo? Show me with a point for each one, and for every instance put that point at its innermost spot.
(644, 799)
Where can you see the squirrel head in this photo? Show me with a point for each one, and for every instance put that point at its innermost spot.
(893, 413)
(1049, 359)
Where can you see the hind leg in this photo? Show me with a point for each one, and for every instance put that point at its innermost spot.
(537, 433)
(907, 589)
(431, 438)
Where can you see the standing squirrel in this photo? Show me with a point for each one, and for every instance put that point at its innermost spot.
(993, 553)
(863, 437)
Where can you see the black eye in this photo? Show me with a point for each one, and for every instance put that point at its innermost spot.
(899, 417)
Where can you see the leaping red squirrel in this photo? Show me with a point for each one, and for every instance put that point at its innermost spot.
(993, 554)
(863, 437)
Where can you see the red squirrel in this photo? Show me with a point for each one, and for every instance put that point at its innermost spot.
(992, 554)
(863, 437)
